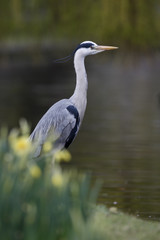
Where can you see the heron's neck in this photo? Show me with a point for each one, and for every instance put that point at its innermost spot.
(79, 98)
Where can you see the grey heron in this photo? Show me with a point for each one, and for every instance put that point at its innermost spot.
(63, 119)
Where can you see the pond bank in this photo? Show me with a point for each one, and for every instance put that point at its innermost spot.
(123, 227)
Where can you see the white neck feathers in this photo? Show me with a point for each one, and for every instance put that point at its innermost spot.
(79, 97)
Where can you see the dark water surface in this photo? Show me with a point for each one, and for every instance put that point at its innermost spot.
(119, 141)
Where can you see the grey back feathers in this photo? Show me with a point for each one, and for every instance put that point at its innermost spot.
(60, 122)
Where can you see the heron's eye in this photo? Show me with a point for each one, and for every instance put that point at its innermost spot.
(92, 47)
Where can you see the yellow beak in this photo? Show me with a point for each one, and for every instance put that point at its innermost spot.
(105, 48)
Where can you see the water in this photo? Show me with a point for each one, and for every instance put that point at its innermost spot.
(119, 141)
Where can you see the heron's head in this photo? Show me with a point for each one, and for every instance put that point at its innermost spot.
(90, 48)
(86, 48)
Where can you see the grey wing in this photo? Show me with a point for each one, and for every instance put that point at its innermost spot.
(60, 124)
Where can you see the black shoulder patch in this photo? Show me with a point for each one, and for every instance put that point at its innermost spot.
(72, 110)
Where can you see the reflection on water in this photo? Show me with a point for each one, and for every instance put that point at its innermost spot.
(119, 141)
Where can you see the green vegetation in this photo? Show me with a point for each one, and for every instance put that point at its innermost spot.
(124, 22)
(39, 200)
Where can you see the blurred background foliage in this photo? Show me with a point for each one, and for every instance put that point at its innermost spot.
(131, 23)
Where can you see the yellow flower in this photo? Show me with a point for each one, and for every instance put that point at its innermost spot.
(63, 155)
(35, 171)
(47, 147)
(57, 180)
(21, 145)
